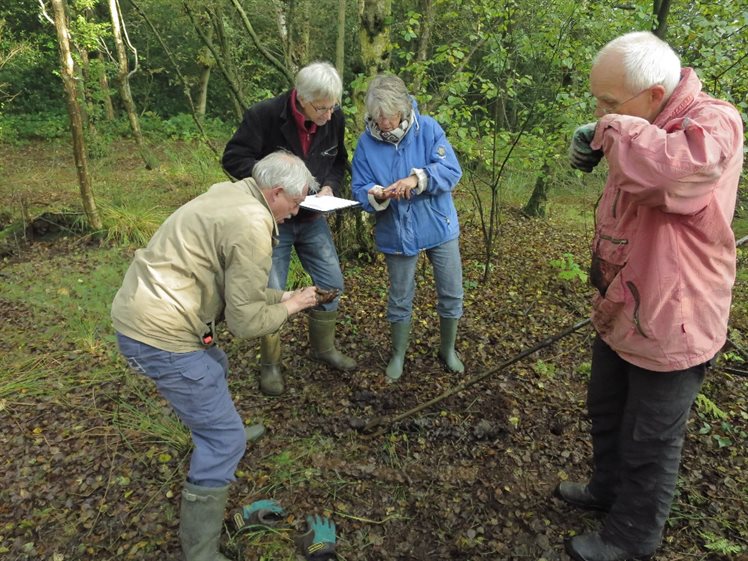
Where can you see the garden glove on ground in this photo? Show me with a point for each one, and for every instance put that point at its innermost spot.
(318, 542)
(581, 155)
(265, 512)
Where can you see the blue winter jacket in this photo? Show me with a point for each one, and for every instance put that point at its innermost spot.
(427, 220)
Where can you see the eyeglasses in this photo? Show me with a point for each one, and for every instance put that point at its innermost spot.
(323, 110)
(607, 109)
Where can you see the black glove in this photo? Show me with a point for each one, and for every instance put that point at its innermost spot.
(581, 155)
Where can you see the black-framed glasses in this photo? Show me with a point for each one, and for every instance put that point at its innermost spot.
(323, 110)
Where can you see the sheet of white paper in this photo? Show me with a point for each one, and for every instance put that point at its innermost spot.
(326, 203)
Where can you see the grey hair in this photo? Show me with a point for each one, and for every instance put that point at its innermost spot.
(647, 61)
(386, 96)
(281, 168)
(319, 80)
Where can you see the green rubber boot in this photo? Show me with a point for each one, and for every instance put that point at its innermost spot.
(447, 353)
(322, 340)
(271, 376)
(201, 521)
(400, 336)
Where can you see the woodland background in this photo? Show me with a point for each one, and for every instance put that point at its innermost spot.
(113, 113)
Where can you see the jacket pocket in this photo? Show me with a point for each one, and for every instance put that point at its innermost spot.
(609, 257)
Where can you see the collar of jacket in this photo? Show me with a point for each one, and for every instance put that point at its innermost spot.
(682, 97)
(251, 186)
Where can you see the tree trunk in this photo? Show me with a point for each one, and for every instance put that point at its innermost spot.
(202, 91)
(302, 45)
(106, 95)
(661, 9)
(84, 94)
(535, 207)
(424, 37)
(281, 19)
(222, 58)
(74, 112)
(123, 79)
(374, 35)
(340, 43)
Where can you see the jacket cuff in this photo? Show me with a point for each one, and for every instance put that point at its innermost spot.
(423, 180)
(376, 204)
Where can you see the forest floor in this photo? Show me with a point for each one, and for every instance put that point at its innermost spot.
(93, 461)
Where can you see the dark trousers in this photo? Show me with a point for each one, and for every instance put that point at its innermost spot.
(638, 425)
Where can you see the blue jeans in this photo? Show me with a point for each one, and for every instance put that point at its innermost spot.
(195, 386)
(447, 265)
(638, 427)
(317, 254)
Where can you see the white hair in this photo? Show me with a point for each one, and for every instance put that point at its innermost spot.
(386, 96)
(319, 80)
(647, 61)
(284, 169)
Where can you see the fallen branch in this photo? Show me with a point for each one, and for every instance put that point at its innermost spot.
(379, 422)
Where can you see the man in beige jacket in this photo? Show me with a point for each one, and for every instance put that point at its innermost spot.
(210, 260)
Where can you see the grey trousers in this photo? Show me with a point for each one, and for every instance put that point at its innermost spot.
(638, 426)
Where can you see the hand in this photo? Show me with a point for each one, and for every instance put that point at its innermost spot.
(581, 155)
(402, 188)
(326, 191)
(301, 299)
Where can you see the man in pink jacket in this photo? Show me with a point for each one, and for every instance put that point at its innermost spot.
(663, 261)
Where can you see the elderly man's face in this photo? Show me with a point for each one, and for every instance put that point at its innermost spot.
(607, 86)
(282, 205)
(319, 111)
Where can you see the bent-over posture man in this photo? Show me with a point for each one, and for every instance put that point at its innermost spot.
(210, 260)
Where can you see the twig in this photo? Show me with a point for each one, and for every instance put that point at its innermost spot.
(367, 520)
(736, 371)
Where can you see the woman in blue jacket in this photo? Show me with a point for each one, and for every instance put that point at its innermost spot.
(404, 170)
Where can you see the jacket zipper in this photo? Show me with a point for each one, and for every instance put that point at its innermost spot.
(618, 241)
(635, 293)
(615, 202)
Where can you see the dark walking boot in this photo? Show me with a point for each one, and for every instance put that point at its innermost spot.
(579, 495)
(591, 547)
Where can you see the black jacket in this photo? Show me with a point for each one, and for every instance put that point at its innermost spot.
(269, 125)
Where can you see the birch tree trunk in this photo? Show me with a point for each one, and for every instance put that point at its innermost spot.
(123, 79)
(202, 90)
(76, 122)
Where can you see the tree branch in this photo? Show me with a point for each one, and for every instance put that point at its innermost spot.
(256, 40)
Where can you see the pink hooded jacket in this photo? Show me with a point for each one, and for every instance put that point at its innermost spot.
(663, 255)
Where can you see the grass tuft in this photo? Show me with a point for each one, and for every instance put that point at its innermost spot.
(131, 225)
